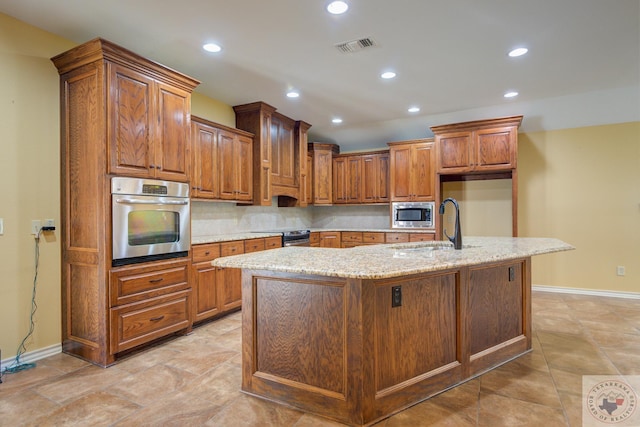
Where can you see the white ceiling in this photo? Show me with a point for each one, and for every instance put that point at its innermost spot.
(450, 56)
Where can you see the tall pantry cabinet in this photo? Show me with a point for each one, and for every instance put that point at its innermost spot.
(120, 114)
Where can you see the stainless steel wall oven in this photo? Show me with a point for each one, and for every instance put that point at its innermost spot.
(150, 220)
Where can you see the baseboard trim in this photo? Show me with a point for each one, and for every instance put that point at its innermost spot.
(592, 292)
(32, 356)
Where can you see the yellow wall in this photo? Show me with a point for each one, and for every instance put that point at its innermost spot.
(29, 172)
(580, 185)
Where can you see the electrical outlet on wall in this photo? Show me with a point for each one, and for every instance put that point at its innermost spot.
(1, 226)
(35, 227)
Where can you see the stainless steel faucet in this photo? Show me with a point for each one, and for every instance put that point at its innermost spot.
(457, 236)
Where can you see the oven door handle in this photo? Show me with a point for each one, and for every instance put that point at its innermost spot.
(152, 202)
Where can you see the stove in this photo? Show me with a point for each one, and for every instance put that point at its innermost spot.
(293, 237)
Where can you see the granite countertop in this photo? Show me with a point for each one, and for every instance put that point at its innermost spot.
(392, 260)
(217, 238)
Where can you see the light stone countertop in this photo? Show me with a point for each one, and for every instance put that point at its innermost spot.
(392, 260)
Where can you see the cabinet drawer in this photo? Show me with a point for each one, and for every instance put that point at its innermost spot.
(351, 237)
(396, 237)
(272, 242)
(232, 248)
(206, 252)
(130, 284)
(253, 245)
(372, 237)
(139, 323)
(421, 237)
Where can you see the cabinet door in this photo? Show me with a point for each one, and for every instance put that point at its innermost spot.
(205, 291)
(243, 148)
(205, 162)
(226, 172)
(340, 180)
(382, 179)
(454, 152)
(496, 148)
(172, 140)
(353, 179)
(282, 152)
(330, 239)
(230, 279)
(400, 173)
(322, 177)
(308, 181)
(130, 109)
(375, 178)
(422, 173)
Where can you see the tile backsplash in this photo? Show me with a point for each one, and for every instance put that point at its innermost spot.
(213, 218)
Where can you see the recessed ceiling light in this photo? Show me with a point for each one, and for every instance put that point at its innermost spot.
(413, 109)
(336, 120)
(511, 94)
(211, 47)
(337, 7)
(388, 75)
(518, 52)
(293, 94)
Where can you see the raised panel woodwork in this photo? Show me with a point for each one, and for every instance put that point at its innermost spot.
(244, 161)
(130, 108)
(339, 171)
(455, 151)
(205, 291)
(354, 179)
(375, 178)
(230, 279)
(253, 245)
(372, 237)
(142, 322)
(172, 142)
(227, 173)
(134, 283)
(404, 352)
(495, 305)
(272, 242)
(330, 239)
(314, 239)
(412, 171)
(204, 176)
(287, 319)
(323, 172)
(283, 160)
(496, 148)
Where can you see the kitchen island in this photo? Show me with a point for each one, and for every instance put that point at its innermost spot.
(359, 334)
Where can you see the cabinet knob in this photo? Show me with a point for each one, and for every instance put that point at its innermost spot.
(207, 253)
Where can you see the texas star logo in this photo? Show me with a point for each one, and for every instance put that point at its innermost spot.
(611, 401)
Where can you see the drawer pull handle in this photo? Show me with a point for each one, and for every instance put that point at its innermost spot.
(207, 253)
(155, 319)
(158, 280)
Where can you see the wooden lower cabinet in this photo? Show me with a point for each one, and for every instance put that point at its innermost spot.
(422, 237)
(361, 356)
(330, 239)
(148, 301)
(314, 239)
(218, 290)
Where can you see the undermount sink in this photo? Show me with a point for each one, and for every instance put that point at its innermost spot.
(422, 249)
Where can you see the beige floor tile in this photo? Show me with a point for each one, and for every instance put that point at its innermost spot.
(498, 410)
(253, 412)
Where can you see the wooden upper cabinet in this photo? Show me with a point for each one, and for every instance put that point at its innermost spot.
(339, 180)
(148, 126)
(283, 161)
(235, 166)
(375, 178)
(280, 146)
(412, 173)
(221, 162)
(204, 180)
(477, 147)
(322, 171)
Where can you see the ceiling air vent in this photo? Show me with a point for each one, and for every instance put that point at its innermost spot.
(353, 46)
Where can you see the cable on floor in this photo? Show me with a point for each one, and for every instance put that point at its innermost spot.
(17, 365)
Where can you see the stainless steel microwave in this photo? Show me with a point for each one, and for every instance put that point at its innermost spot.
(412, 215)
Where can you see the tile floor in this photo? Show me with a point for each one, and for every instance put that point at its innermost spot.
(195, 380)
